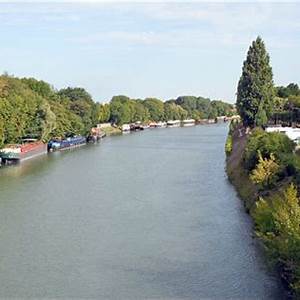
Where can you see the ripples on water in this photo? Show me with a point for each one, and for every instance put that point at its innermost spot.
(148, 215)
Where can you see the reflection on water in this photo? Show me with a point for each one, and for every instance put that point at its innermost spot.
(149, 215)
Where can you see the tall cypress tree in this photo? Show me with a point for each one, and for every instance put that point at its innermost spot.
(255, 91)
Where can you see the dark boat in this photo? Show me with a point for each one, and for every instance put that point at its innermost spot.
(68, 143)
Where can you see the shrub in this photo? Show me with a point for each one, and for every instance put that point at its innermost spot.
(228, 145)
(290, 164)
(265, 172)
(266, 143)
(278, 225)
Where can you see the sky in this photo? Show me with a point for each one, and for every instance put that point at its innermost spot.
(151, 49)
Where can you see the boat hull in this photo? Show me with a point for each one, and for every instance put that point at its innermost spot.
(21, 156)
(61, 145)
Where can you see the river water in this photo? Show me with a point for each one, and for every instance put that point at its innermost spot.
(148, 215)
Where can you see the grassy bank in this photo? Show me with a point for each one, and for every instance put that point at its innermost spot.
(276, 216)
(112, 130)
(235, 171)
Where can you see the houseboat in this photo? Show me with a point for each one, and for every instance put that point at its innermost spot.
(161, 124)
(68, 143)
(125, 127)
(152, 124)
(173, 123)
(136, 126)
(95, 135)
(188, 122)
(29, 148)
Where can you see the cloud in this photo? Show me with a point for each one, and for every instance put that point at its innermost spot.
(165, 24)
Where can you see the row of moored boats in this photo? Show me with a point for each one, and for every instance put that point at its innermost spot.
(29, 147)
(161, 124)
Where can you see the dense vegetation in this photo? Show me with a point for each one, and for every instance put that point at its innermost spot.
(126, 110)
(265, 167)
(29, 107)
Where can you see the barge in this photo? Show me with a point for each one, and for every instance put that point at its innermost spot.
(188, 122)
(68, 143)
(29, 148)
(95, 135)
(125, 128)
(173, 123)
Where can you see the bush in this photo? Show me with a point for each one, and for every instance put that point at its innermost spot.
(233, 125)
(277, 224)
(290, 164)
(228, 145)
(267, 143)
(265, 173)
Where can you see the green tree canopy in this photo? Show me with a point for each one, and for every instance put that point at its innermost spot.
(255, 87)
(155, 108)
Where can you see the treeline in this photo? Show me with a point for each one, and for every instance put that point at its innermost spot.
(125, 110)
(29, 107)
(265, 167)
(33, 108)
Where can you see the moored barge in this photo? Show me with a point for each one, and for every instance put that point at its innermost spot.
(173, 123)
(68, 143)
(29, 148)
(95, 135)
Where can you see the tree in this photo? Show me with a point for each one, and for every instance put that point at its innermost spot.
(102, 112)
(120, 110)
(255, 87)
(141, 112)
(291, 90)
(81, 103)
(155, 108)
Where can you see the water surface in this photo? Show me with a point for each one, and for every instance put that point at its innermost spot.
(148, 215)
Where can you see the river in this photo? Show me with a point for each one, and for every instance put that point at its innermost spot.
(148, 215)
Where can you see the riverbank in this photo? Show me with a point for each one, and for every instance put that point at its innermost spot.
(250, 194)
(111, 130)
(235, 171)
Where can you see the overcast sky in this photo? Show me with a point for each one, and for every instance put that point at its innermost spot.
(147, 50)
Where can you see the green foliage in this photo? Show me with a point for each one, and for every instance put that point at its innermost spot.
(266, 143)
(121, 110)
(33, 107)
(233, 125)
(261, 118)
(29, 107)
(20, 111)
(266, 170)
(102, 112)
(291, 163)
(291, 90)
(255, 87)
(155, 108)
(278, 225)
(80, 102)
(174, 112)
(40, 87)
(228, 145)
(141, 112)
(221, 108)
(202, 108)
(294, 101)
